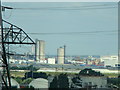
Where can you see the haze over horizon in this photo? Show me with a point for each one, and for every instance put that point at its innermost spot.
(86, 28)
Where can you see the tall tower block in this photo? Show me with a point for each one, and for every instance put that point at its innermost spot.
(40, 50)
(60, 55)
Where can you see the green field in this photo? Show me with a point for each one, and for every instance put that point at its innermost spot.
(21, 74)
(111, 75)
(17, 74)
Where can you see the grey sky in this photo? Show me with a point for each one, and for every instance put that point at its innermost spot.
(66, 17)
(60, 0)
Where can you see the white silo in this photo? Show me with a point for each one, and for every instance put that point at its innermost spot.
(40, 50)
(60, 55)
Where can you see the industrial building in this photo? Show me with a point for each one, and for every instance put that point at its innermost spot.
(40, 50)
(51, 61)
(98, 81)
(110, 61)
(60, 55)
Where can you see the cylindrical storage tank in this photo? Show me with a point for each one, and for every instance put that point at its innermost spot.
(37, 50)
(60, 55)
(40, 50)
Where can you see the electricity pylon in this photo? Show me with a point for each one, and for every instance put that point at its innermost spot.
(11, 35)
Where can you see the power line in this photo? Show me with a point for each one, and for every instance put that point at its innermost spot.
(87, 7)
(75, 8)
(64, 8)
(71, 33)
(71, 6)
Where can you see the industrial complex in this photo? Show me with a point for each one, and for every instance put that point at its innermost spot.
(38, 69)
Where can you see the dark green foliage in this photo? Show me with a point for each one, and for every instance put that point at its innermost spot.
(76, 81)
(36, 75)
(114, 81)
(23, 81)
(27, 81)
(24, 68)
(118, 76)
(90, 72)
(63, 81)
(18, 79)
(60, 81)
(54, 83)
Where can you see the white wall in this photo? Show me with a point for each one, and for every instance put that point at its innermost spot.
(110, 60)
(51, 60)
(60, 53)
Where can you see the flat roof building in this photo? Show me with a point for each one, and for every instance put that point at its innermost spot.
(111, 61)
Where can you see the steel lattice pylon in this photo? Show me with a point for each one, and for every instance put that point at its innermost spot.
(15, 35)
(11, 35)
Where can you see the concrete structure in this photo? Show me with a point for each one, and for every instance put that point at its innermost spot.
(40, 50)
(39, 83)
(111, 61)
(60, 55)
(94, 81)
(76, 62)
(42, 61)
(51, 60)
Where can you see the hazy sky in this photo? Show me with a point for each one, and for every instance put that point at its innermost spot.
(72, 21)
(60, 0)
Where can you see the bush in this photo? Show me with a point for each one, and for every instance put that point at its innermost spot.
(60, 81)
(90, 72)
(27, 81)
(36, 75)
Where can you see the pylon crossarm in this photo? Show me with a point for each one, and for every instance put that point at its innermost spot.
(16, 35)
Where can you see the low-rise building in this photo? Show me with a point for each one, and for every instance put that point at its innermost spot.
(94, 81)
(89, 79)
(51, 60)
(111, 61)
(42, 61)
